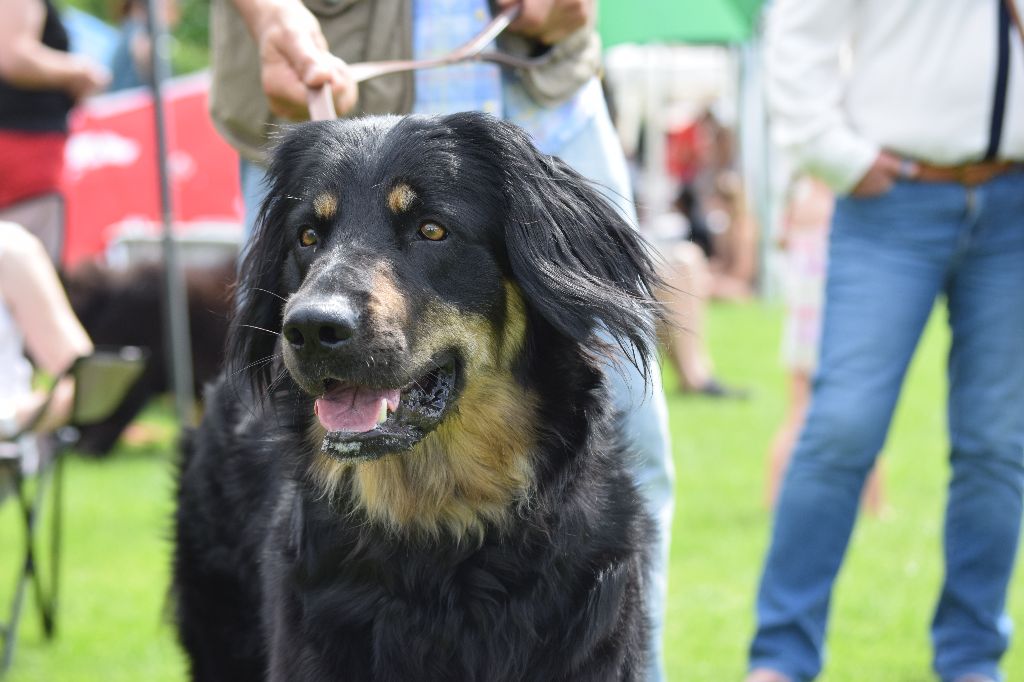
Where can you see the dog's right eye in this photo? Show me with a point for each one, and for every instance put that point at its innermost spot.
(308, 237)
(433, 232)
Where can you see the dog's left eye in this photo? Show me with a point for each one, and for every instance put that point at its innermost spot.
(433, 232)
(308, 237)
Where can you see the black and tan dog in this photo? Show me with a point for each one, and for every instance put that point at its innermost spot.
(412, 473)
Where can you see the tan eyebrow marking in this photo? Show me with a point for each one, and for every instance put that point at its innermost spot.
(325, 205)
(401, 197)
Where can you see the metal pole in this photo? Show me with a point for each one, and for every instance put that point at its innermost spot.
(176, 327)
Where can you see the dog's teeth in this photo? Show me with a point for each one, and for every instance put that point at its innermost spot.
(383, 414)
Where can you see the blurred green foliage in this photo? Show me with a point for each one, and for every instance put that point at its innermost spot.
(191, 34)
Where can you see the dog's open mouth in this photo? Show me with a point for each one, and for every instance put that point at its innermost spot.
(364, 422)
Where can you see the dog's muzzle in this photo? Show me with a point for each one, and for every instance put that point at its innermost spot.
(366, 413)
(363, 422)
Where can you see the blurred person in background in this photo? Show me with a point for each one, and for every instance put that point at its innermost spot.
(734, 238)
(679, 235)
(804, 241)
(268, 53)
(702, 157)
(923, 140)
(39, 83)
(35, 316)
(131, 64)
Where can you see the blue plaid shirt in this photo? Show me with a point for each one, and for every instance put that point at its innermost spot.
(439, 26)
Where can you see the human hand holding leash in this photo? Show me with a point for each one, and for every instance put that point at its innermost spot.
(549, 21)
(321, 102)
(295, 58)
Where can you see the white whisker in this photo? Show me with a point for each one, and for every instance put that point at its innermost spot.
(252, 326)
(261, 362)
(272, 293)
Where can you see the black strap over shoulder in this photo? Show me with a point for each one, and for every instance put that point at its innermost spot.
(1002, 79)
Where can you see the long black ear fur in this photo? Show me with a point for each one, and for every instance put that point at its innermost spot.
(577, 260)
(252, 336)
(252, 340)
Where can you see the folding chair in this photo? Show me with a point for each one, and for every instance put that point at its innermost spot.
(101, 382)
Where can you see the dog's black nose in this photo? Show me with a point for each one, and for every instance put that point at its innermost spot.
(312, 327)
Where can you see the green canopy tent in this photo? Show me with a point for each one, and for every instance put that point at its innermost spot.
(677, 21)
(732, 23)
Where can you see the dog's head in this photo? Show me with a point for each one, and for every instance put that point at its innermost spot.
(403, 262)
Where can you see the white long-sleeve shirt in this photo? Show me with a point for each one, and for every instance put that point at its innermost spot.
(921, 83)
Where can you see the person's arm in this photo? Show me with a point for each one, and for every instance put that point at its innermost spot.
(805, 91)
(294, 57)
(26, 63)
(53, 335)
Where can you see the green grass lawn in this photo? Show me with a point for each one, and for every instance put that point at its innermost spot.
(113, 618)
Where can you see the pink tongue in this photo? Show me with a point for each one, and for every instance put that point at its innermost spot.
(353, 408)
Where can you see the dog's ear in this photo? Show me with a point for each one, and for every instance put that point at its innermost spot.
(252, 334)
(260, 293)
(575, 257)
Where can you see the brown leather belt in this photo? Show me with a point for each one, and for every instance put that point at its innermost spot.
(969, 174)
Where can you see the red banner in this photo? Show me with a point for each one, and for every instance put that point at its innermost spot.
(111, 183)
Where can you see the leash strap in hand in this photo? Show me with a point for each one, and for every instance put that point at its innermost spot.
(321, 103)
(321, 100)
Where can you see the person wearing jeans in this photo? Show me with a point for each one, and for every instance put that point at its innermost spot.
(924, 141)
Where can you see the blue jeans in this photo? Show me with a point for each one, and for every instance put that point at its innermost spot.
(890, 257)
(595, 152)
